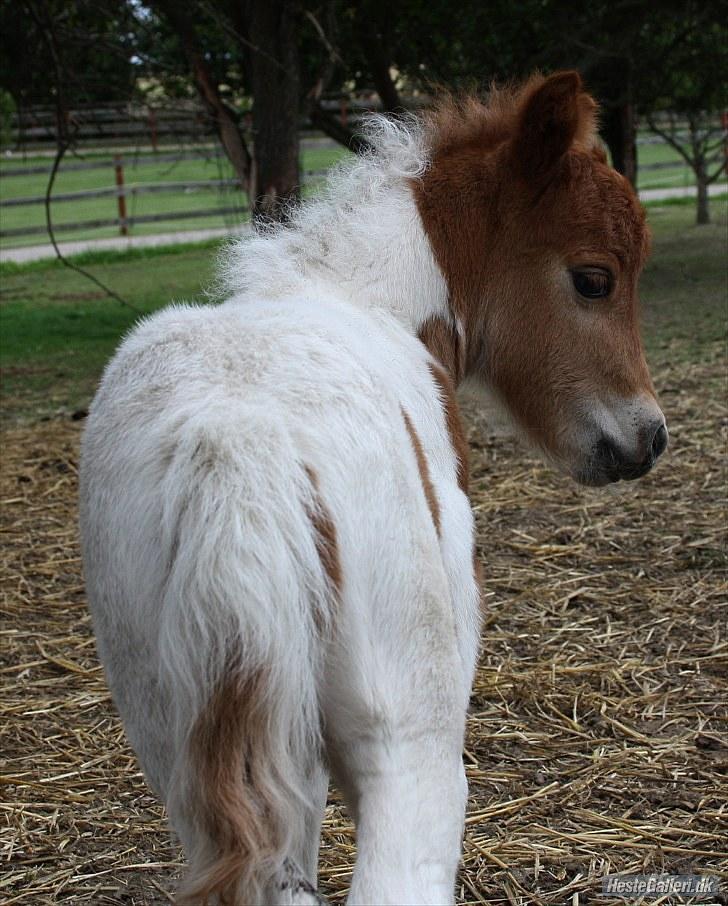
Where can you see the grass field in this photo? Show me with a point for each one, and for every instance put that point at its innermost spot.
(597, 738)
(58, 329)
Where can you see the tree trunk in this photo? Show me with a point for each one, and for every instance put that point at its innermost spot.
(698, 146)
(276, 98)
(373, 44)
(701, 179)
(618, 130)
(230, 136)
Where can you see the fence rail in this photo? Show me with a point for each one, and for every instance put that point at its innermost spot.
(122, 191)
(122, 222)
(38, 126)
(106, 162)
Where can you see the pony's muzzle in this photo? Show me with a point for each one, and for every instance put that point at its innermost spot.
(615, 464)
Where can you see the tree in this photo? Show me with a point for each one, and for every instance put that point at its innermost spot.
(275, 86)
(686, 106)
(702, 145)
(284, 58)
(221, 115)
(256, 55)
(93, 38)
(62, 54)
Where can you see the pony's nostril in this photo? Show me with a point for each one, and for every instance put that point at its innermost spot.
(615, 465)
(659, 442)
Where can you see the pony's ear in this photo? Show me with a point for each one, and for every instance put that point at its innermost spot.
(553, 115)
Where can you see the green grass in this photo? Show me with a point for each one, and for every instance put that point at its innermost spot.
(679, 174)
(57, 329)
(312, 159)
(684, 288)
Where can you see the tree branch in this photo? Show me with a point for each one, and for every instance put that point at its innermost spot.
(62, 148)
(713, 176)
(372, 45)
(670, 141)
(63, 144)
(329, 125)
(227, 128)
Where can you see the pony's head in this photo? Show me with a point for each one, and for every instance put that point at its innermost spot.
(541, 244)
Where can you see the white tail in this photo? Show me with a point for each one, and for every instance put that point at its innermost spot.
(241, 673)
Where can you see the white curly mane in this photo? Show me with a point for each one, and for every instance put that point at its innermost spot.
(360, 239)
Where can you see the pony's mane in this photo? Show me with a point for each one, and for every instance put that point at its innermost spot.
(468, 119)
(398, 154)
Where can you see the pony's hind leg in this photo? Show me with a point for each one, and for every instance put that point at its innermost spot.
(295, 882)
(396, 723)
(409, 795)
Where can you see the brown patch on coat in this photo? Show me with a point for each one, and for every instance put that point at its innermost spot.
(454, 423)
(324, 529)
(231, 786)
(424, 471)
(518, 192)
(443, 343)
(478, 575)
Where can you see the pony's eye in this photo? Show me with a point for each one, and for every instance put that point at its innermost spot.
(592, 282)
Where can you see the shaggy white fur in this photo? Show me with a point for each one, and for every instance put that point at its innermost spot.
(361, 241)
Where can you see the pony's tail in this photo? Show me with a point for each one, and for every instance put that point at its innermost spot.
(242, 616)
(231, 791)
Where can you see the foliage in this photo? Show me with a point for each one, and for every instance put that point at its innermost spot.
(89, 40)
(676, 56)
(635, 59)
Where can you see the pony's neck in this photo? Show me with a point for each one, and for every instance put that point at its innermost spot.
(362, 243)
(385, 261)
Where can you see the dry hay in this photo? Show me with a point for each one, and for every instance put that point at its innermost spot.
(597, 738)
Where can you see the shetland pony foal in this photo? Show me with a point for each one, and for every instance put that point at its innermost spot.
(277, 540)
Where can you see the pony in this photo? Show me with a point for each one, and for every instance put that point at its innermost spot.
(277, 539)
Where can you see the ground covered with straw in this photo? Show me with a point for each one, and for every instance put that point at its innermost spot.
(597, 741)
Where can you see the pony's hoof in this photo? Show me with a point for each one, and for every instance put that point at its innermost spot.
(295, 890)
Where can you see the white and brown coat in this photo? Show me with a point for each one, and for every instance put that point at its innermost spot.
(277, 538)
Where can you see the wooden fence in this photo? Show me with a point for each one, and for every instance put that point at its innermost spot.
(134, 124)
(122, 193)
(38, 126)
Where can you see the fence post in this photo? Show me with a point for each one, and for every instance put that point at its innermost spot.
(153, 128)
(121, 198)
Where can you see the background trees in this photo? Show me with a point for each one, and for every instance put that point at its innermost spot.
(261, 68)
(681, 99)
